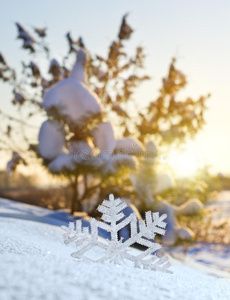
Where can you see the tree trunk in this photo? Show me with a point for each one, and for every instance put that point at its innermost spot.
(75, 205)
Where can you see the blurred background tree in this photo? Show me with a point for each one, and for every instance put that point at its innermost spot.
(114, 78)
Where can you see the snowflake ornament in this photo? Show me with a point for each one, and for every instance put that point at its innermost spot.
(114, 249)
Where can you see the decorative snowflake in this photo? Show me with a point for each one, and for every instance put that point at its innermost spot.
(117, 250)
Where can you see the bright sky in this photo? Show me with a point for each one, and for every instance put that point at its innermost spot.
(197, 32)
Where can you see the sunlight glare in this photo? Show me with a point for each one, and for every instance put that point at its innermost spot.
(184, 163)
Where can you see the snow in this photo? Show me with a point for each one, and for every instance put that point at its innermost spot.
(113, 163)
(51, 139)
(16, 159)
(221, 204)
(216, 256)
(163, 182)
(151, 149)
(103, 135)
(129, 145)
(72, 98)
(62, 163)
(160, 183)
(73, 101)
(78, 71)
(35, 264)
(190, 207)
(13, 209)
(82, 148)
(123, 160)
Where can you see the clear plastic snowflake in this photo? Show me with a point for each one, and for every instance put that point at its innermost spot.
(114, 249)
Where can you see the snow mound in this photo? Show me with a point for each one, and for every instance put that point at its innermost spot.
(129, 146)
(104, 138)
(191, 207)
(51, 139)
(71, 98)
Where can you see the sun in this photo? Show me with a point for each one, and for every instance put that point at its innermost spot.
(184, 163)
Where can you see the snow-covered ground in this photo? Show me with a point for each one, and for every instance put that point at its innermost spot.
(221, 206)
(214, 255)
(36, 264)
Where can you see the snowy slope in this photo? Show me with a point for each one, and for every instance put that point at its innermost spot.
(35, 264)
(214, 254)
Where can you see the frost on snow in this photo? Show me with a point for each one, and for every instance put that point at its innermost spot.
(116, 250)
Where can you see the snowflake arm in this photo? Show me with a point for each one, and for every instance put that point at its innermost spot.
(117, 250)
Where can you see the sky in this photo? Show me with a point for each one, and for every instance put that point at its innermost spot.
(196, 32)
